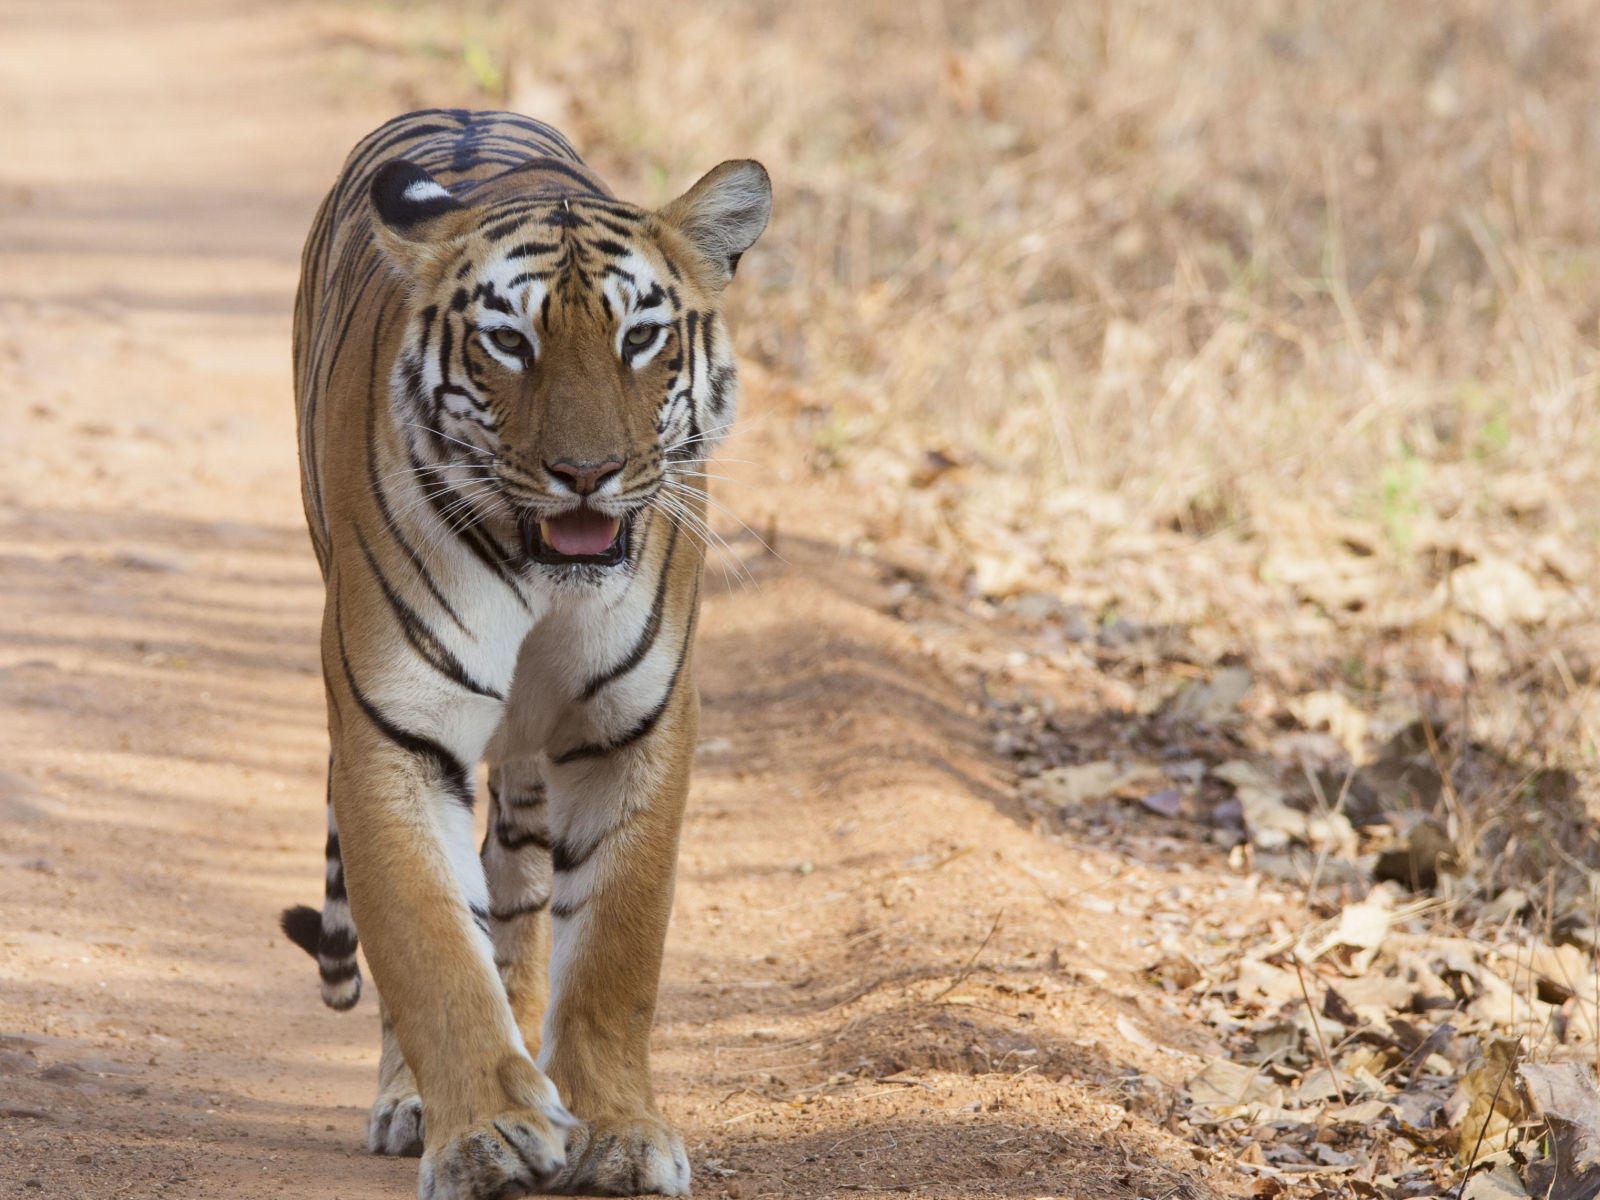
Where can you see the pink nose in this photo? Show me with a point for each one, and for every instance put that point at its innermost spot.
(582, 477)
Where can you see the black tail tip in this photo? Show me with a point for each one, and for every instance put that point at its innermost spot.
(302, 925)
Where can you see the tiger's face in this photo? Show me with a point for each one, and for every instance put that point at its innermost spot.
(565, 366)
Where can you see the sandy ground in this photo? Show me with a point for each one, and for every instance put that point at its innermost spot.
(879, 976)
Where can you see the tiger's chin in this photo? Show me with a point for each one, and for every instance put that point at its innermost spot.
(580, 546)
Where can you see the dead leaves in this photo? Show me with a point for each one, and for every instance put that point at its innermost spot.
(1564, 1095)
(1215, 700)
(1439, 885)
(1272, 823)
(1094, 781)
(1413, 1051)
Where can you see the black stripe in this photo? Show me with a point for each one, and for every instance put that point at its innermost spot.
(544, 135)
(403, 128)
(580, 176)
(490, 297)
(529, 249)
(422, 639)
(446, 345)
(512, 839)
(425, 319)
(691, 321)
(482, 546)
(343, 973)
(607, 204)
(705, 338)
(533, 1171)
(393, 526)
(525, 909)
(325, 357)
(648, 721)
(616, 227)
(721, 384)
(647, 637)
(314, 257)
(566, 910)
(499, 228)
(563, 858)
(337, 942)
(448, 769)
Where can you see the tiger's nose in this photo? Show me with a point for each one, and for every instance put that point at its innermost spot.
(583, 477)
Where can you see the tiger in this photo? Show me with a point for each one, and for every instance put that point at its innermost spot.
(507, 385)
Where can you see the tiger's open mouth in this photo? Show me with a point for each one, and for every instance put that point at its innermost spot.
(579, 536)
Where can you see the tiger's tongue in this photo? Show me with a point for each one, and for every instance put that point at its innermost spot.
(581, 531)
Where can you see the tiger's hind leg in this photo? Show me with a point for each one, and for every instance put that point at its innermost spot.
(394, 1123)
(516, 863)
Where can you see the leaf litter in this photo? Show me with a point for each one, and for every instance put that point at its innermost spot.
(1428, 1026)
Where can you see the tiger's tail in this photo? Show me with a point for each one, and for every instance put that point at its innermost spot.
(329, 936)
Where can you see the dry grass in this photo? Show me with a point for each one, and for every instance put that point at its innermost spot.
(1273, 321)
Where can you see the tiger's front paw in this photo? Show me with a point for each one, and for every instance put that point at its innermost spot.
(633, 1158)
(517, 1153)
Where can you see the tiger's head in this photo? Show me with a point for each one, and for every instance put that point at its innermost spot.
(564, 365)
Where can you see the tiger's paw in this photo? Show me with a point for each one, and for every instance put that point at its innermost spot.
(394, 1124)
(515, 1154)
(633, 1158)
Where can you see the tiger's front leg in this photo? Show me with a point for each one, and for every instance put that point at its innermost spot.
(614, 814)
(493, 1124)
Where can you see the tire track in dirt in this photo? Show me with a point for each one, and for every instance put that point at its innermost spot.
(848, 843)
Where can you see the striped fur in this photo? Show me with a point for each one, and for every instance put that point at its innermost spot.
(506, 383)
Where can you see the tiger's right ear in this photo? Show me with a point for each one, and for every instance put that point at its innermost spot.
(414, 217)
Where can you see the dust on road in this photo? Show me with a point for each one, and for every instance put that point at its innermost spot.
(851, 855)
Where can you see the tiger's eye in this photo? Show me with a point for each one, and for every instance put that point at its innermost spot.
(641, 335)
(509, 340)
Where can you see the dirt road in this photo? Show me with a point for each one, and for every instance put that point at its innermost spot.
(878, 977)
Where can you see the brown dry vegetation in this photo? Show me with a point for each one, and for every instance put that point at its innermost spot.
(1177, 428)
(1262, 318)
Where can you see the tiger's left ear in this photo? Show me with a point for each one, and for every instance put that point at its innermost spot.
(414, 217)
(724, 213)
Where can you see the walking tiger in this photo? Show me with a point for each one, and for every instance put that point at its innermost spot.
(507, 384)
